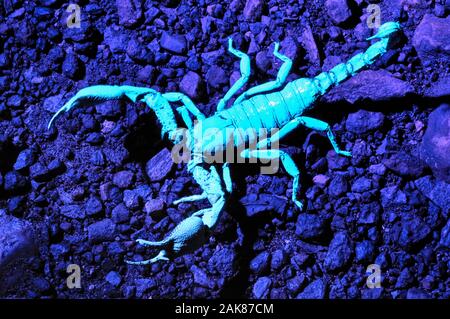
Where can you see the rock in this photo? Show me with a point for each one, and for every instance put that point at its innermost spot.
(339, 252)
(431, 39)
(310, 226)
(405, 279)
(365, 86)
(310, 46)
(154, 205)
(101, 231)
(264, 203)
(391, 196)
(336, 161)
(14, 181)
(216, 77)
(39, 172)
(159, 166)
(338, 186)
(72, 67)
(279, 258)
(115, 39)
(445, 236)
(17, 239)
(200, 276)
(364, 121)
(439, 89)
(144, 285)
(120, 214)
(364, 251)
(114, 278)
(315, 290)
(294, 285)
(338, 11)
(437, 191)
(417, 293)
(253, 10)
(260, 264)
(412, 232)
(224, 261)
(261, 288)
(93, 206)
(435, 145)
(129, 11)
(404, 165)
(361, 185)
(123, 179)
(53, 103)
(321, 180)
(131, 199)
(192, 85)
(73, 211)
(173, 43)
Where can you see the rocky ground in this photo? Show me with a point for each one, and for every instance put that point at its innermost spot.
(81, 192)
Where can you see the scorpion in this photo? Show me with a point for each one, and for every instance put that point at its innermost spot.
(267, 106)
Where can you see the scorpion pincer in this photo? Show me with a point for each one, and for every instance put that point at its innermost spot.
(272, 105)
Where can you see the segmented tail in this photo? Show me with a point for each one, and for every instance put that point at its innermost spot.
(325, 80)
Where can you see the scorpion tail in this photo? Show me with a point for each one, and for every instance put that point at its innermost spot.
(341, 72)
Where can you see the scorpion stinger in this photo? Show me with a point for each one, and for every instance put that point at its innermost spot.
(266, 107)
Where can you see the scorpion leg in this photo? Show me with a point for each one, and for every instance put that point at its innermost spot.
(191, 198)
(288, 164)
(308, 122)
(269, 86)
(245, 74)
(227, 177)
(322, 126)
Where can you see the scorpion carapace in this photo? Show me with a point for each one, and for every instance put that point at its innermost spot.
(261, 107)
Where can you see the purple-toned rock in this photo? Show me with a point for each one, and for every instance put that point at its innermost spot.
(437, 191)
(159, 166)
(339, 252)
(72, 67)
(154, 205)
(173, 43)
(431, 39)
(123, 179)
(13, 181)
(310, 226)
(73, 211)
(375, 86)
(261, 288)
(93, 206)
(338, 11)
(129, 11)
(101, 231)
(404, 164)
(260, 264)
(338, 185)
(192, 85)
(120, 214)
(216, 77)
(315, 290)
(413, 231)
(439, 88)
(253, 10)
(436, 143)
(445, 236)
(114, 278)
(391, 196)
(17, 239)
(364, 121)
(224, 261)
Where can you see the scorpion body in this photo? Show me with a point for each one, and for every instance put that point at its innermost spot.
(265, 107)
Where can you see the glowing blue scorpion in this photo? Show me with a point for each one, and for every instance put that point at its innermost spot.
(261, 107)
